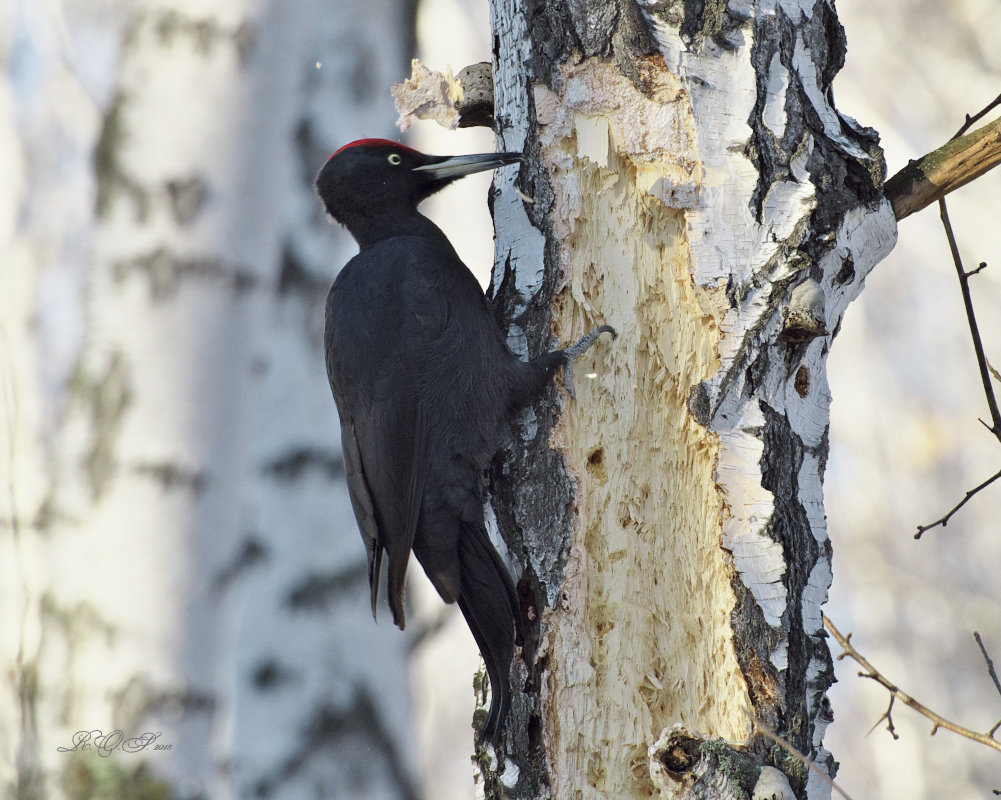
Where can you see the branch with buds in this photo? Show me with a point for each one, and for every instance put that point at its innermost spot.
(869, 671)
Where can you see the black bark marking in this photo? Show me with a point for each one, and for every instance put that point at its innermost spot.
(294, 463)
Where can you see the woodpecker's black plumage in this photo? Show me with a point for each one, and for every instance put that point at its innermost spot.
(424, 385)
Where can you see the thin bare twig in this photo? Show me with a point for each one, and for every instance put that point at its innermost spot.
(764, 731)
(978, 344)
(943, 521)
(888, 716)
(987, 658)
(869, 671)
(964, 278)
(978, 116)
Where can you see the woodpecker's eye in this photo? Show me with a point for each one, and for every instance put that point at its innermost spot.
(394, 159)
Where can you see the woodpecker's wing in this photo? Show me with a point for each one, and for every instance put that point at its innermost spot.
(371, 329)
(387, 518)
(361, 502)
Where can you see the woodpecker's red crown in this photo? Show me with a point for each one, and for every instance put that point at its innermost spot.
(375, 143)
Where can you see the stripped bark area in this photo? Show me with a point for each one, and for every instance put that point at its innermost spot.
(692, 186)
(648, 510)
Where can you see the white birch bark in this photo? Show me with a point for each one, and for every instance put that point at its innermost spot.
(179, 554)
(695, 188)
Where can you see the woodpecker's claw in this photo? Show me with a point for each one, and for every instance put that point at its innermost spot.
(577, 349)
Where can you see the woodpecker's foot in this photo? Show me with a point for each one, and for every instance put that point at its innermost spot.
(577, 349)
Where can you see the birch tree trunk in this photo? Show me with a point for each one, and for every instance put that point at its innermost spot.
(693, 186)
(179, 555)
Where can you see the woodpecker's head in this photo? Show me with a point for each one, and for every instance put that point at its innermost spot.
(372, 184)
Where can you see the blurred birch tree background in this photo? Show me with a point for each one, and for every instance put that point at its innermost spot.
(177, 551)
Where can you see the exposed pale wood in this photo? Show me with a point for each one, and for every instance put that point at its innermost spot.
(944, 170)
(649, 505)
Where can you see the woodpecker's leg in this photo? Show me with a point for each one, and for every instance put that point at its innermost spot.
(579, 348)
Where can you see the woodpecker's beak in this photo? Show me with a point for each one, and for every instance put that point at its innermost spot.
(451, 167)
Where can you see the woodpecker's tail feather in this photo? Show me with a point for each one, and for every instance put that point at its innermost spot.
(397, 586)
(490, 606)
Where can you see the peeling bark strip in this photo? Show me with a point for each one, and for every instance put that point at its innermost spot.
(694, 188)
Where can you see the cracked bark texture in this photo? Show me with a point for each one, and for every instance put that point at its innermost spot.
(178, 550)
(694, 187)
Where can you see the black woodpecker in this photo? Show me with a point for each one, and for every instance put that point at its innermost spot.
(425, 386)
